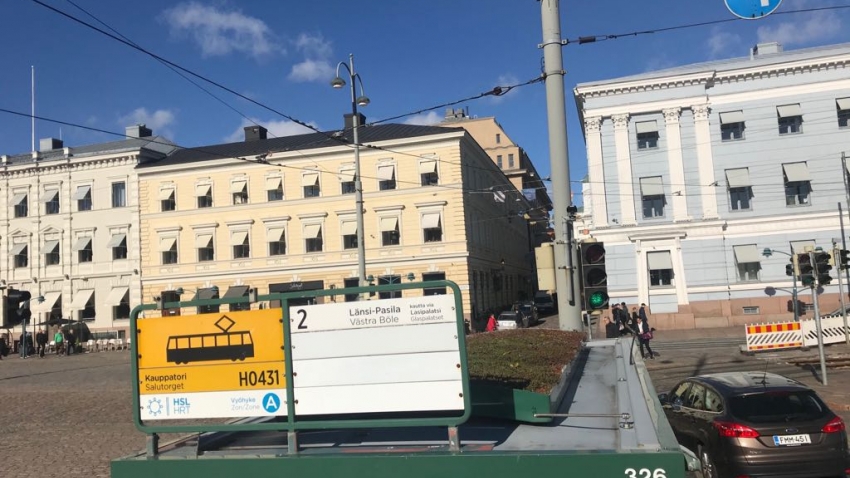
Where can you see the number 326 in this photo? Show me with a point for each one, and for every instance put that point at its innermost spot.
(646, 473)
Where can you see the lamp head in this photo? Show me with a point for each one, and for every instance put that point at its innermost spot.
(767, 252)
(178, 291)
(337, 82)
(362, 100)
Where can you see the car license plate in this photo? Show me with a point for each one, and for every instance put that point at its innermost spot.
(791, 440)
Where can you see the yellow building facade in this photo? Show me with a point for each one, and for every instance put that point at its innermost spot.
(279, 215)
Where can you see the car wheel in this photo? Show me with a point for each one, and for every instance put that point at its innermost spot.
(707, 464)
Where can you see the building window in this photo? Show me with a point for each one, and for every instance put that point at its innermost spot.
(204, 194)
(83, 198)
(206, 248)
(434, 276)
(660, 269)
(277, 241)
(790, 119)
(389, 231)
(88, 312)
(118, 243)
(428, 173)
(122, 310)
(21, 253)
(499, 160)
(349, 235)
(313, 238)
(241, 247)
(647, 134)
(83, 246)
(798, 186)
(843, 107)
(652, 197)
(386, 177)
(391, 279)
(748, 261)
(752, 310)
(498, 138)
(206, 294)
(274, 188)
(119, 194)
(740, 189)
(348, 187)
(732, 125)
(310, 184)
(168, 250)
(167, 200)
(51, 253)
(432, 228)
(351, 282)
(167, 297)
(19, 200)
(51, 202)
(511, 161)
(239, 192)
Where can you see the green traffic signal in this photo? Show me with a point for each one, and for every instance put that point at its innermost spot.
(598, 299)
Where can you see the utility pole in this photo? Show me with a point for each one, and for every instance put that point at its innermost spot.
(836, 257)
(817, 320)
(569, 308)
(844, 172)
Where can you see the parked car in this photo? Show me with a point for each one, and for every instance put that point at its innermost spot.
(757, 424)
(529, 310)
(511, 320)
(544, 302)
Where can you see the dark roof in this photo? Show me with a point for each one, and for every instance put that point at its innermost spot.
(157, 144)
(252, 149)
(747, 382)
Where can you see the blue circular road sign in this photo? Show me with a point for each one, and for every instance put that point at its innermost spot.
(271, 402)
(752, 9)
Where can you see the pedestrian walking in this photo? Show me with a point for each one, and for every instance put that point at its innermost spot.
(70, 342)
(642, 314)
(644, 334)
(492, 324)
(41, 342)
(611, 329)
(633, 318)
(59, 340)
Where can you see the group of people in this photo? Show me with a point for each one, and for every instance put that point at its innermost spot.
(635, 323)
(64, 343)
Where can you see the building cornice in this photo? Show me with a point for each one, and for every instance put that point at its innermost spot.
(783, 69)
(642, 85)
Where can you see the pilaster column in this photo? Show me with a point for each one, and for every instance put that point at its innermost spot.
(676, 165)
(625, 186)
(705, 161)
(596, 172)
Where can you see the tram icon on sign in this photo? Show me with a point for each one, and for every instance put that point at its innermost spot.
(224, 345)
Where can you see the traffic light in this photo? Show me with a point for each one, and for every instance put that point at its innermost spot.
(593, 275)
(843, 258)
(807, 277)
(17, 307)
(793, 269)
(823, 264)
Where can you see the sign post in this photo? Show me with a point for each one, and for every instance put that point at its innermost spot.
(752, 9)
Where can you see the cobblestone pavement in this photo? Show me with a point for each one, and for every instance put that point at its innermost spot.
(65, 416)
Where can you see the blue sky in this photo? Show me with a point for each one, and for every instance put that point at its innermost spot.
(411, 55)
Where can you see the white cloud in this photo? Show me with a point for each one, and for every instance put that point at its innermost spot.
(316, 65)
(158, 121)
(805, 28)
(276, 129)
(724, 44)
(503, 81)
(424, 119)
(220, 32)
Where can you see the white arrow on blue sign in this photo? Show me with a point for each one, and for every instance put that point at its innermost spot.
(752, 9)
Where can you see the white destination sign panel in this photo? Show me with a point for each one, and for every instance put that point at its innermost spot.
(433, 309)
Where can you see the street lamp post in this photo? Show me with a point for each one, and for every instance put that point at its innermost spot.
(361, 100)
(767, 252)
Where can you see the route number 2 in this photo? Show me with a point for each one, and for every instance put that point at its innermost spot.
(301, 324)
(646, 473)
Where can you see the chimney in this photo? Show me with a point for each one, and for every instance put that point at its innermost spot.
(349, 120)
(49, 144)
(255, 133)
(138, 131)
(771, 48)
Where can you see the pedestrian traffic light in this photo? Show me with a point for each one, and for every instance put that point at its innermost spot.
(594, 277)
(793, 269)
(17, 307)
(823, 264)
(807, 277)
(843, 258)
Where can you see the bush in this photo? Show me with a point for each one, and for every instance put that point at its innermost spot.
(529, 359)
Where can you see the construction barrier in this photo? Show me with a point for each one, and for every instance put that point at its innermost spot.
(833, 331)
(781, 335)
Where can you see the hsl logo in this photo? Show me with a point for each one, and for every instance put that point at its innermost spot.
(180, 406)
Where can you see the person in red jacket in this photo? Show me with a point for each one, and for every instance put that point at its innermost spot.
(492, 325)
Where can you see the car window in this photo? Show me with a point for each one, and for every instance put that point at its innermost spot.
(679, 392)
(696, 397)
(785, 406)
(713, 402)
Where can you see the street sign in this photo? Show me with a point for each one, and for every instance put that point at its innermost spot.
(212, 365)
(380, 356)
(752, 9)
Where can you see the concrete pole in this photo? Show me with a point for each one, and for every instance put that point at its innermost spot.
(818, 322)
(569, 308)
